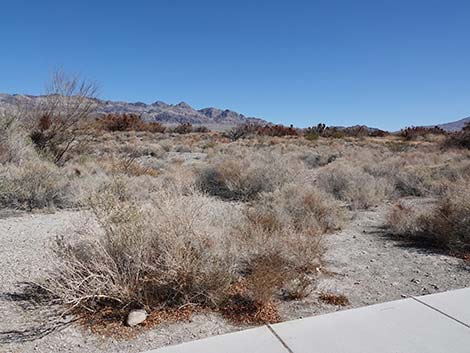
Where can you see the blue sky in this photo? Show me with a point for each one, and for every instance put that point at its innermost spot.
(384, 63)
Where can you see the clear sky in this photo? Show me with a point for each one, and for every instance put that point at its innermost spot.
(384, 63)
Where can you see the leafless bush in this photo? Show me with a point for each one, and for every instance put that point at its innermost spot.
(201, 129)
(459, 139)
(60, 122)
(168, 253)
(415, 132)
(315, 160)
(334, 299)
(34, 184)
(14, 144)
(446, 225)
(128, 122)
(280, 240)
(184, 247)
(184, 128)
(243, 179)
(241, 132)
(351, 184)
(250, 130)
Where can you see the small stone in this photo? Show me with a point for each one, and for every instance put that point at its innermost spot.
(136, 317)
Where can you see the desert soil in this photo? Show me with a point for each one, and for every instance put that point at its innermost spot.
(362, 262)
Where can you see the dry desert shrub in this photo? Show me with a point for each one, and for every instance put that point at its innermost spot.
(446, 225)
(353, 185)
(169, 252)
(14, 144)
(244, 178)
(182, 247)
(334, 299)
(280, 240)
(128, 122)
(34, 184)
(59, 123)
(460, 139)
(416, 132)
(419, 173)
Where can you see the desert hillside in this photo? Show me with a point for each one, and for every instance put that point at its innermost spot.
(158, 111)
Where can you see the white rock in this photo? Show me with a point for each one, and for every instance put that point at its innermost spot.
(136, 317)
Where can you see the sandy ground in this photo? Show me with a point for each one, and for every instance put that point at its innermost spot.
(367, 265)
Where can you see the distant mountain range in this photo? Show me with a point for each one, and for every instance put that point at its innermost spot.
(158, 111)
(454, 125)
(177, 113)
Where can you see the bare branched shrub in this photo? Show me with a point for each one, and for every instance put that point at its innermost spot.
(183, 247)
(166, 253)
(315, 160)
(250, 130)
(415, 132)
(201, 129)
(184, 128)
(128, 122)
(334, 299)
(244, 178)
(351, 184)
(447, 225)
(60, 121)
(459, 139)
(280, 240)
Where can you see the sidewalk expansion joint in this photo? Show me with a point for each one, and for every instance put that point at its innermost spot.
(441, 312)
(279, 339)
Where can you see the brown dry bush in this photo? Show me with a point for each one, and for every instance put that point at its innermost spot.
(459, 139)
(446, 225)
(243, 179)
(183, 247)
(128, 122)
(201, 129)
(416, 132)
(164, 253)
(130, 166)
(184, 128)
(34, 184)
(334, 299)
(59, 123)
(353, 185)
(14, 144)
(418, 173)
(251, 130)
(280, 239)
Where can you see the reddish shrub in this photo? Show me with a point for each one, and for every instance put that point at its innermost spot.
(459, 139)
(201, 129)
(128, 122)
(321, 130)
(276, 130)
(184, 128)
(248, 130)
(415, 132)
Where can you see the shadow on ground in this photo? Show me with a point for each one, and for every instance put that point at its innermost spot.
(419, 244)
(33, 298)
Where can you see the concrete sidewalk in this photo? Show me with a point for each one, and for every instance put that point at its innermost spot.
(437, 323)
